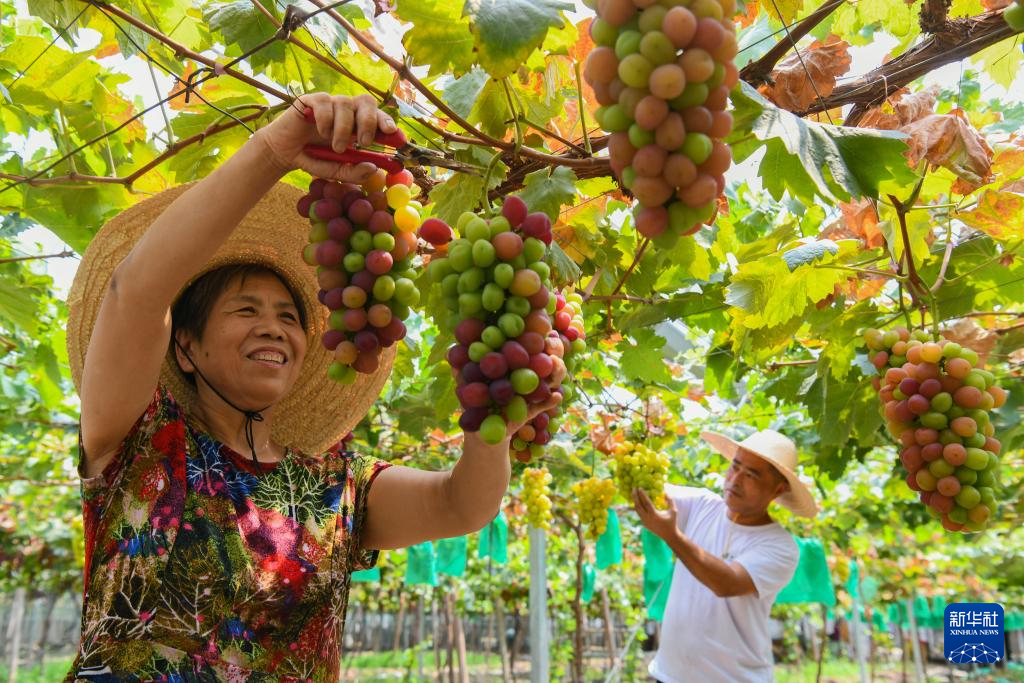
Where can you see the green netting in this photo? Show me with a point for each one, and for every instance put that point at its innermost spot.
(811, 581)
(878, 620)
(937, 614)
(421, 565)
(609, 544)
(366, 575)
(493, 540)
(1014, 621)
(922, 611)
(898, 614)
(589, 576)
(868, 589)
(853, 582)
(658, 567)
(451, 556)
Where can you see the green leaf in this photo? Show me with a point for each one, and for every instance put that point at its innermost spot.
(813, 159)
(548, 190)
(439, 35)
(643, 360)
(18, 307)
(244, 27)
(490, 111)
(678, 308)
(461, 93)
(809, 253)
(507, 31)
(564, 271)
(766, 293)
(462, 192)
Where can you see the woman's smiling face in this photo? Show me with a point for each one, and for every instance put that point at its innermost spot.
(253, 344)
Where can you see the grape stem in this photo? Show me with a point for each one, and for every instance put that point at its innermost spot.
(488, 209)
(580, 108)
(636, 259)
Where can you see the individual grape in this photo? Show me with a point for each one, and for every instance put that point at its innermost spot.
(680, 26)
(601, 66)
(667, 81)
(635, 70)
(671, 132)
(650, 161)
(657, 48)
(697, 65)
(651, 112)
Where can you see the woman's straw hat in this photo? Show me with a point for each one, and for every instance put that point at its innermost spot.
(780, 452)
(317, 411)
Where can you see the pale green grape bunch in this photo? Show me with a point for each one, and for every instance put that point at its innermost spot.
(636, 466)
(535, 495)
(593, 498)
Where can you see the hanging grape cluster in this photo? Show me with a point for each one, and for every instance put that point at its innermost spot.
(363, 240)
(662, 73)
(535, 495)
(936, 401)
(495, 283)
(635, 466)
(593, 497)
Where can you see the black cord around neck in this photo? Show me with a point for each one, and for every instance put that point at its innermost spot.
(250, 415)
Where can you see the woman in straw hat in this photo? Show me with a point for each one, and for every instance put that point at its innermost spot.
(733, 559)
(223, 518)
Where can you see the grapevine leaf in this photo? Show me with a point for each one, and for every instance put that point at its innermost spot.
(461, 93)
(809, 253)
(244, 27)
(439, 35)
(507, 31)
(999, 214)
(548, 190)
(814, 159)
(564, 270)
(643, 360)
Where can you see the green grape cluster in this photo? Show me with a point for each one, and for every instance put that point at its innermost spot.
(635, 466)
(593, 497)
(936, 401)
(662, 71)
(535, 496)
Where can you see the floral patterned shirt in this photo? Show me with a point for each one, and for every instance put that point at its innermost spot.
(202, 566)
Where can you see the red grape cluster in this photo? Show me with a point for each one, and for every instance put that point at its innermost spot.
(936, 401)
(565, 341)
(494, 282)
(363, 240)
(662, 73)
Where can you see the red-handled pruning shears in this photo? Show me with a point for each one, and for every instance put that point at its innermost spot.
(390, 162)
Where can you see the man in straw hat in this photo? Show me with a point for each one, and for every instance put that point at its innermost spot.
(223, 518)
(733, 559)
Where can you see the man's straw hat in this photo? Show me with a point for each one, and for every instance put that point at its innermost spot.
(317, 411)
(780, 453)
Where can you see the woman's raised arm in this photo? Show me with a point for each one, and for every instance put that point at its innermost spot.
(132, 331)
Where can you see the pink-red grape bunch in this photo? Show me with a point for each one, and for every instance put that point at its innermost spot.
(936, 401)
(363, 240)
(662, 72)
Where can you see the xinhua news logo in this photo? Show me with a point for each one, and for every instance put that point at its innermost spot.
(974, 633)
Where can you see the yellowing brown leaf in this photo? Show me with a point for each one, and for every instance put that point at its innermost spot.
(801, 78)
(999, 214)
(949, 141)
(859, 221)
(900, 108)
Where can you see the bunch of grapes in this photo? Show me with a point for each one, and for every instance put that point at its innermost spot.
(494, 282)
(564, 341)
(363, 240)
(593, 496)
(535, 495)
(1014, 16)
(635, 466)
(936, 401)
(662, 73)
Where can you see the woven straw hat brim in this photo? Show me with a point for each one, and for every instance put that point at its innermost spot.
(317, 411)
(797, 500)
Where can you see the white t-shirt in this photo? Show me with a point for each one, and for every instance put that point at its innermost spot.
(708, 639)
